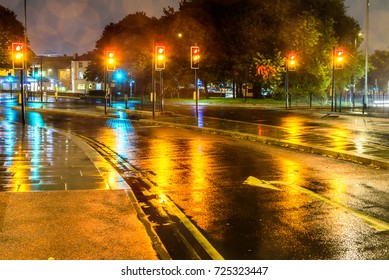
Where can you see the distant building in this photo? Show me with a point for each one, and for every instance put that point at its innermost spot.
(78, 67)
(58, 72)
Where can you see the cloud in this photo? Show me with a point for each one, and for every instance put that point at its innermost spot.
(378, 21)
(70, 26)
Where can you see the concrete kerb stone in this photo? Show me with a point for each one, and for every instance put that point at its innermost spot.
(331, 153)
(65, 111)
(138, 113)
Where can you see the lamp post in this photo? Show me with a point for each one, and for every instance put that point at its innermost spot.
(366, 96)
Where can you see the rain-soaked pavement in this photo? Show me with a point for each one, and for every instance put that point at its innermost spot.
(250, 201)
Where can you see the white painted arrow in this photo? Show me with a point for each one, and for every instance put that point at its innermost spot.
(373, 222)
(255, 182)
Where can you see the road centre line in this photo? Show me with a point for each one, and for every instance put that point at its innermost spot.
(374, 223)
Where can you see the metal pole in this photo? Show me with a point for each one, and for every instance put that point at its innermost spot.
(366, 100)
(41, 79)
(333, 80)
(287, 86)
(152, 80)
(25, 64)
(105, 87)
(197, 95)
(22, 93)
(161, 85)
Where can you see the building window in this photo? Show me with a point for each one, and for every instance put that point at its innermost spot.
(81, 86)
(80, 65)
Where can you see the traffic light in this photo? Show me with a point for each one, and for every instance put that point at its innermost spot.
(111, 61)
(195, 57)
(119, 75)
(339, 53)
(17, 56)
(292, 62)
(159, 58)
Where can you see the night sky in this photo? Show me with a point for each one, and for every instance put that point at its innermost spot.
(378, 21)
(73, 26)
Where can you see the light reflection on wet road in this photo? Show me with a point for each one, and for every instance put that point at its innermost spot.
(204, 174)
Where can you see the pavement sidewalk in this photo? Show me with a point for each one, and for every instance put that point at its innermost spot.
(56, 201)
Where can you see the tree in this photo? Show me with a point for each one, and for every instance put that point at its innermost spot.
(231, 33)
(380, 69)
(11, 30)
(132, 39)
(270, 71)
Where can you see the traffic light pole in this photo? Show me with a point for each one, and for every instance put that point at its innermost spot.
(333, 80)
(197, 94)
(105, 89)
(153, 87)
(287, 87)
(23, 97)
(41, 80)
(161, 90)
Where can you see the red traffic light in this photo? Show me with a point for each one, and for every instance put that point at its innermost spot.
(17, 55)
(195, 57)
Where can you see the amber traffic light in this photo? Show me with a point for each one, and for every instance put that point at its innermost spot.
(195, 57)
(111, 61)
(17, 55)
(160, 58)
(292, 62)
(339, 59)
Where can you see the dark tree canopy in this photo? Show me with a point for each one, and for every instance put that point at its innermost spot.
(235, 37)
(11, 31)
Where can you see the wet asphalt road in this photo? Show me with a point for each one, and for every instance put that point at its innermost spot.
(305, 207)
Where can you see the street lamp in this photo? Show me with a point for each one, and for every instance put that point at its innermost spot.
(366, 96)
